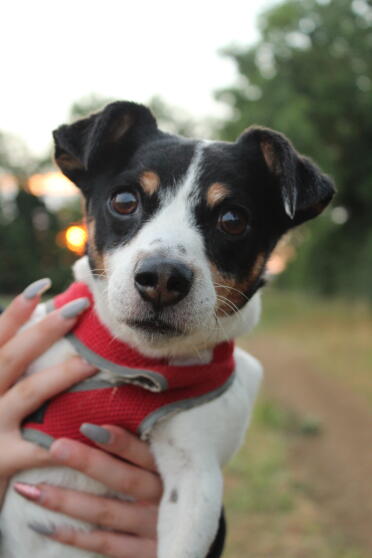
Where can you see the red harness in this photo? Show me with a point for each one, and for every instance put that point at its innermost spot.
(145, 389)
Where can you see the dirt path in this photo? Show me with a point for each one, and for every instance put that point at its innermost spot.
(338, 463)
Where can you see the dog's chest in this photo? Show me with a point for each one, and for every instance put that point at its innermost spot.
(130, 391)
(96, 401)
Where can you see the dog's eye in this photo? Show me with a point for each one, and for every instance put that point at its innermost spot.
(233, 222)
(124, 203)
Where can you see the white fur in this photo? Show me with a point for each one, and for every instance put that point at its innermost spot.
(170, 228)
(191, 447)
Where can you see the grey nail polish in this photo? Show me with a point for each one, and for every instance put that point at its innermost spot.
(95, 433)
(41, 529)
(74, 308)
(37, 288)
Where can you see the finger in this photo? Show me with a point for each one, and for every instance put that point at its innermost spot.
(21, 308)
(112, 545)
(122, 443)
(130, 517)
(26, 455)
(30, 393)
(112, 472)
(30, 343)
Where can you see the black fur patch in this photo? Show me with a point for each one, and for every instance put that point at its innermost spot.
(167, 156)
(265, 178)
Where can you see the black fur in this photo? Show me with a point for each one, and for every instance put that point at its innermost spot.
(275, 186)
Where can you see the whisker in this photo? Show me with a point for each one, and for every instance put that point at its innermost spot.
(228, 303)
(221, 326)
(236, 310)
(231, 289)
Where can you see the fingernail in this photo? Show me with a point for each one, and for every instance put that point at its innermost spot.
(42, 529)
(60, 450)
(37, 288)
(74, 308)
(95, 433)
(28, 491)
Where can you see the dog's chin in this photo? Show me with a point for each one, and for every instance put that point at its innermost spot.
(155, 330)
(156, 337)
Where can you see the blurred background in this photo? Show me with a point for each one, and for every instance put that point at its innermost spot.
(302, 486)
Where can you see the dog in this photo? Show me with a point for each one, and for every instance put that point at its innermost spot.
(179, 234)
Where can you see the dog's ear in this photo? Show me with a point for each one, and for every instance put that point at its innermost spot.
(304, 190)
(87, 145)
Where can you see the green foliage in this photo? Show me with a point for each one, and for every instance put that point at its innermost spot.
(178, 121)
(170, 118)
(28, 248)
(310, 76)
(87, 105)
(28, 229)
(14, 155)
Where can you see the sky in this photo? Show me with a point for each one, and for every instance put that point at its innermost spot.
(53, 53)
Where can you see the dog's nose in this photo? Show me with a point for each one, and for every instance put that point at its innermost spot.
(162, 281)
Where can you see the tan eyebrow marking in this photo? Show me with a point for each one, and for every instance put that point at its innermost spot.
(150, 182)
(216, 193)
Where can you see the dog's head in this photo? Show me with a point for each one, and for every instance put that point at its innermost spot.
(180, 230)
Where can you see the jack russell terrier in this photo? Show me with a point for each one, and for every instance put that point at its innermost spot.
(179, 233)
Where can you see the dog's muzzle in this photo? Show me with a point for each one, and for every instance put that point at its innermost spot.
(162, 281)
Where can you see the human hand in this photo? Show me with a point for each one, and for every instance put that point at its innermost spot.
(125, 529)
(122, 529)
(20, 398)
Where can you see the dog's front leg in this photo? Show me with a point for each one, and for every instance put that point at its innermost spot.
(191, 503)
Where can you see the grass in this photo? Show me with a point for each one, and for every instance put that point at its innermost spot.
(335, 335)
(270, 513)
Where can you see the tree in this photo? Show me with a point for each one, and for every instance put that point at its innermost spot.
(28, 248)
(14, 156)
(310, 76)
(28, 229)
(174, 120)
(170, 118)
(87, 105)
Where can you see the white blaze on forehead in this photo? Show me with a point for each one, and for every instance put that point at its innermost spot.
(172, 232)
(173, 225)
(187, 186)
